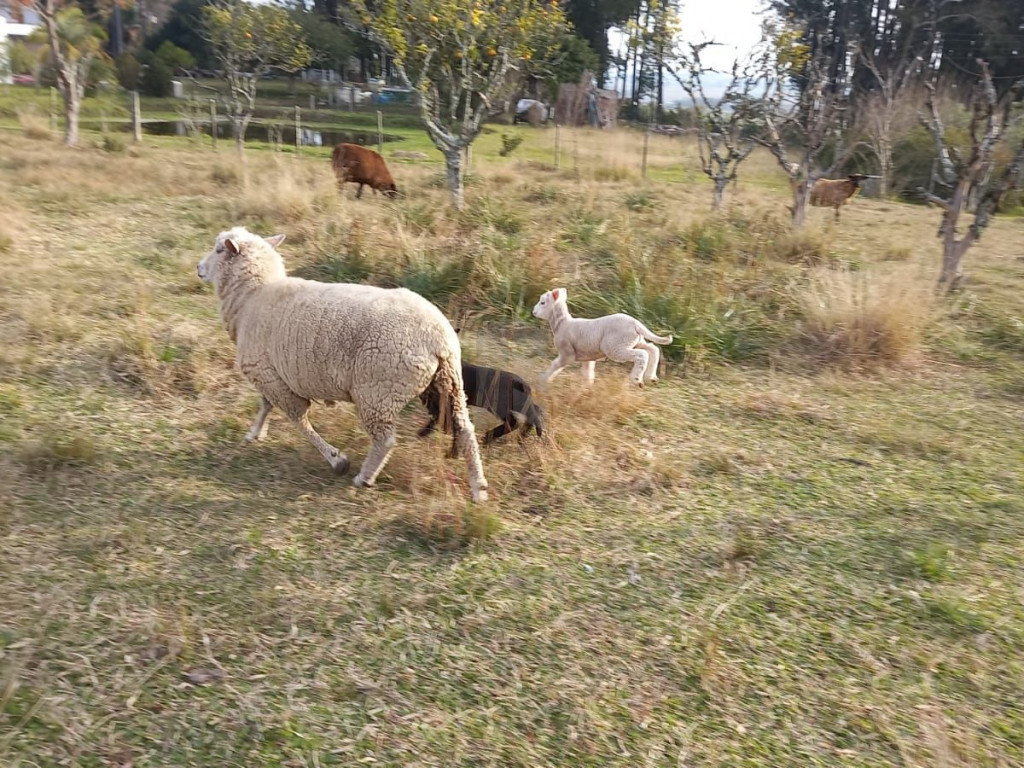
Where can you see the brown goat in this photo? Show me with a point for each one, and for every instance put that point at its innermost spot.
(833, 193)
(364, 167)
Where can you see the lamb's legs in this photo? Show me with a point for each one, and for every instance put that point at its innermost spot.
(556, 367)
(509, 425)
(383, 442)
(587, 373)
(359, 194)
(638, 357)
(297, 410)
(651, 374)
(258, 430)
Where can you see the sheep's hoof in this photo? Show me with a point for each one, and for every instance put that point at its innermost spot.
(359, 482)
(340, 465)
(480, 496)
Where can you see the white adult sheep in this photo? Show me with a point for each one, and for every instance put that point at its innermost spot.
(299, 340)
(617, 337)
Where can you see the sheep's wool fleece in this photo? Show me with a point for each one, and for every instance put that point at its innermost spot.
(332, 341)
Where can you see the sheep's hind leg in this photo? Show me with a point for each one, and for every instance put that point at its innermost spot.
(258, 430)
(383, 442)
(465, 441)
(639, 359)
(651, 373)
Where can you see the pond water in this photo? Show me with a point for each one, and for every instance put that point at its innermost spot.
(257, 131)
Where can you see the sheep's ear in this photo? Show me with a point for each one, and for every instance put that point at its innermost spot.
(275, 240)
(562, 294)
(232, 246)
(554, 295)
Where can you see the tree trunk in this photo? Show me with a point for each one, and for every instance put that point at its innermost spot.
(72, 106)
(953, 250)
(453, 161)
(239, 125)
(801, 199)
(721, 182)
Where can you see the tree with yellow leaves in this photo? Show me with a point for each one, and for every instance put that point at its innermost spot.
(247, 41)
(464, 59)
(75, 43)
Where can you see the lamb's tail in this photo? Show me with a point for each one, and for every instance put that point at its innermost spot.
(647, 334)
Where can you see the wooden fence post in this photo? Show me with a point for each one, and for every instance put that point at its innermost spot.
(558, 145)
(298, 130)
(380, 132)
(213, 123)
(643, 163)
(136, 118)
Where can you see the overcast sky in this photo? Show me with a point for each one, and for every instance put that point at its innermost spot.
(736, 24)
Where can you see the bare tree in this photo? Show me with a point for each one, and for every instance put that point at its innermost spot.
(969, 175)
(75, 42)
(885, 109)
(811, 116)
(727, 125)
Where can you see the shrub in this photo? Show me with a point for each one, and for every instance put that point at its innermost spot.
(639, 201)
(113, 143)
(20, 59)
(866, 318)
(128, 70)
(156, 79)
(174, 57)
(509, 143)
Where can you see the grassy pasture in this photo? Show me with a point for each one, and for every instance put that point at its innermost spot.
(802, 548)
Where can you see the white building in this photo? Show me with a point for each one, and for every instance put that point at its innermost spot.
(17, 22)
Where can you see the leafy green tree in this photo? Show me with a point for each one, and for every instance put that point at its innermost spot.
(75, 43)
(330, 44)
(248, 41)
(184, 28)
(156, 77)
(464, 58)
(573, 57)
(174, 56)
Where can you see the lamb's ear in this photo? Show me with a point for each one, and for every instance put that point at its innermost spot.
(554, 295)
(232, 246)
(561, 293)
(275, 240)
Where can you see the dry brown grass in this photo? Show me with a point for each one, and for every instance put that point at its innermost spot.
(34, 124)
(642, 582)
(867, 318)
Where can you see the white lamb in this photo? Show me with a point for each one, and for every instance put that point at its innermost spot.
(618, 337)
(300, 340)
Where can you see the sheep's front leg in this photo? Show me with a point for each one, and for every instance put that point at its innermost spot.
(258, 430)
(296, 409)
(587, 373)
(556, 367)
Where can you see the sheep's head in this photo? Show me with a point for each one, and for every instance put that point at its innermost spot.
(856, 178)
(237, 247)
(391, 191)
(547, 302)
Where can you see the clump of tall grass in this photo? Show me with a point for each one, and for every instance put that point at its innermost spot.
(34, 124)
(287, 195)
(866, 318)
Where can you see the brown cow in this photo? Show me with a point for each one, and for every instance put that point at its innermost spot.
(362, 166)
(832, 193)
